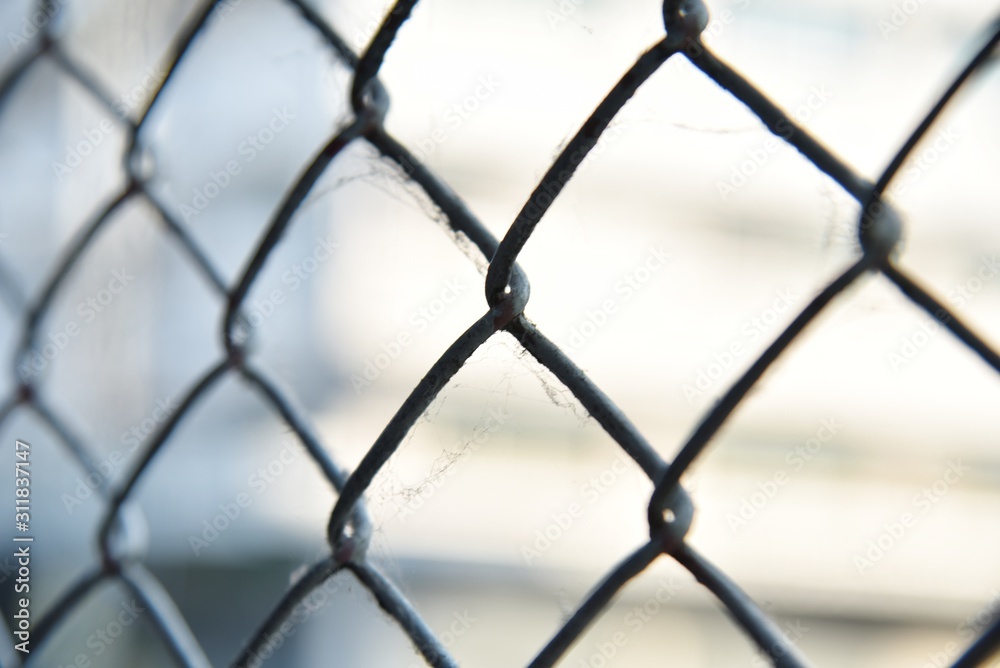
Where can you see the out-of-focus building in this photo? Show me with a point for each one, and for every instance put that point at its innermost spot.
(668, 264)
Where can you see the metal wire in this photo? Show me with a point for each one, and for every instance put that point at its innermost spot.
(507, 291)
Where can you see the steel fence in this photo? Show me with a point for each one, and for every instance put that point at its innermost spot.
(670, 508)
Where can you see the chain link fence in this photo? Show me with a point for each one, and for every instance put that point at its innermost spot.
(670, 510)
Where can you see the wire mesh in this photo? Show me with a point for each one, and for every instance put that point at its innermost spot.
(670, 509)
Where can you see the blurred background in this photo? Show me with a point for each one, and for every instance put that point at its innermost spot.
(855, 494)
